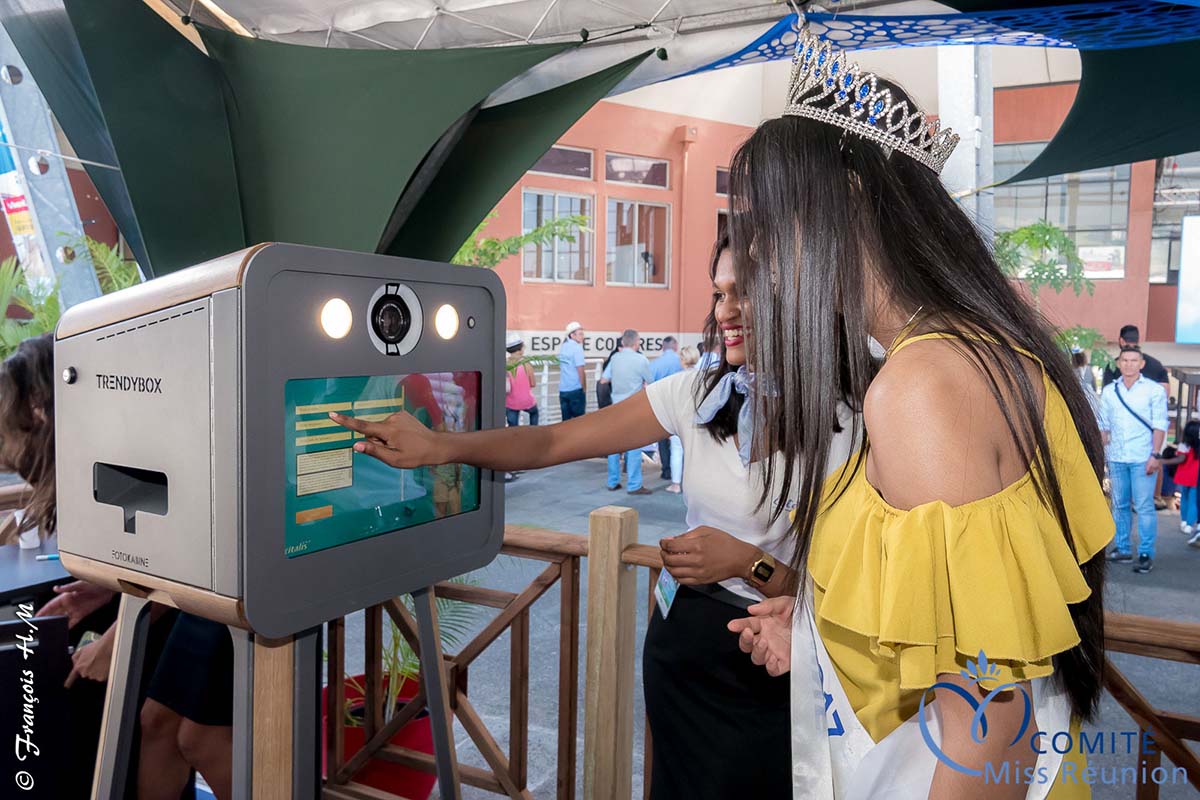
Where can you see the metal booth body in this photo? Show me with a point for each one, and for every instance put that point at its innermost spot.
(198, 467)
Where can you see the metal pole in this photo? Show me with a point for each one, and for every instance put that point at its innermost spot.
(965, 104)
(121, 698)
(436, 694)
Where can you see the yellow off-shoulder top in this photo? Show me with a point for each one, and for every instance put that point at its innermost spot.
(901, 596)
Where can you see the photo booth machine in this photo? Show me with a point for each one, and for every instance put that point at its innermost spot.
(198, 467)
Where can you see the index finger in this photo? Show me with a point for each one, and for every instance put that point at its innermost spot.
(71, 678)
(355, 424)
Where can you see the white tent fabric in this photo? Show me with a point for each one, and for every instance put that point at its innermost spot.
(693, 33)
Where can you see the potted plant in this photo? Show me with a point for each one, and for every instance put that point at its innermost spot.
(400, 684)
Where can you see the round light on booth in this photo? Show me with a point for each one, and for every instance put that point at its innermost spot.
(446, 321)
(336, 318)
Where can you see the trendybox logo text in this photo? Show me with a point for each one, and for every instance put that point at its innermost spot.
(1128, 743)
(129, 383)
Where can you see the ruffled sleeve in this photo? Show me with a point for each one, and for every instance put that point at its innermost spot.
(933, 586)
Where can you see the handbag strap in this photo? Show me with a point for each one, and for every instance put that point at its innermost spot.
(1137, 416)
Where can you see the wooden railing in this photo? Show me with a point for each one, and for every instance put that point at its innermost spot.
(1170, 641)
(507, 773)
(613, 554)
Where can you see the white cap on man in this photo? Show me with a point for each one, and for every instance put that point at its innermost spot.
(513, 340)
(572, 327)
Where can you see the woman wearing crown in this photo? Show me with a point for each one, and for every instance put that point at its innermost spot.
(956, 561)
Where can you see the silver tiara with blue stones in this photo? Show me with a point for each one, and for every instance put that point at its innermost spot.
(820, 70)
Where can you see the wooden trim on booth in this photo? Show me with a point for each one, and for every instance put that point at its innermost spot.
(170, 290)
(274, 679)
(202, 603)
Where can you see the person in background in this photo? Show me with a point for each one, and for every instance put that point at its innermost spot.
(187, 717)
(518, 386)
(27, 432)
(1087, 379)
(1186, 461)
(628, 372)
(1154, 369)
(687, 360)
(664, 366)
(604, 388)
(1129, 336)
(1133, 422)
(572, 380)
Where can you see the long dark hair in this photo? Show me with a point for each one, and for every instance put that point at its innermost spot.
(814, 208)
(724, 424)
(27, 427)
(1191, 435)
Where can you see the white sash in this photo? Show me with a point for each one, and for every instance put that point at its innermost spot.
(833, 756)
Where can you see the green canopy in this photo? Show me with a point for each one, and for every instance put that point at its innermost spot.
(497, 147)
(326, 139)
(1133, 104)
(162, 105)
(257, 141)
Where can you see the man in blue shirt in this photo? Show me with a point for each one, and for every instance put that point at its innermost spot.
(666, 364)
(628, 371)
(1133, 421)
(572, 380)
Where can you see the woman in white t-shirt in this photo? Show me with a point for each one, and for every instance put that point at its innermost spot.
(720, 725)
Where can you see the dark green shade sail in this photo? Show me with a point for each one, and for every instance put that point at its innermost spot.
(1133, 104)
(162, 105)
(500, 144)
(326, 139)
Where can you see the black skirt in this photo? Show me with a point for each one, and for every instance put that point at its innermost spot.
(194, 676)
(720, 725)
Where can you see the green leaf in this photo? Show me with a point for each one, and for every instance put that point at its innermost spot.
(487, 252)
(1042, 255)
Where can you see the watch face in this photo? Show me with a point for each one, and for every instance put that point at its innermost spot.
(763, 571)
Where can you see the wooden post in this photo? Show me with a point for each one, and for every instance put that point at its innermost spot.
(568, 677)
(335, 698)
(373, 667)
(274, 680)
(648, 740)
(518, 700)
(611, 610)
(1147, 790)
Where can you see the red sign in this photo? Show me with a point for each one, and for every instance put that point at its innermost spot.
(15, 203)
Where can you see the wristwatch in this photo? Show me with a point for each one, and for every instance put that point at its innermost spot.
(1159, 456)
(761, 570)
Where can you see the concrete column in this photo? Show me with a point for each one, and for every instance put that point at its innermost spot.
(965, 104)
(54, 250)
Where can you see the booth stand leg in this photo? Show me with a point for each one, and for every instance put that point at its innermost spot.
(121, 698)
(275, 716)
(437, 694)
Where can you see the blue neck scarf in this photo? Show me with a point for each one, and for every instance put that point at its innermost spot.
(744, 383)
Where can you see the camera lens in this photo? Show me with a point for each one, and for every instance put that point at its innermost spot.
(391, 319)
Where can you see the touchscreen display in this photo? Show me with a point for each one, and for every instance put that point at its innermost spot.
(335, 495)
